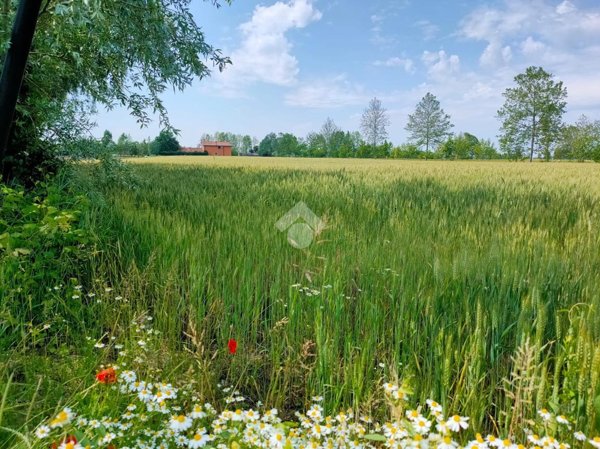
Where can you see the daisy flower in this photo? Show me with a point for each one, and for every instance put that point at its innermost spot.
(199, 439)
(64, 417)
(595, 442)
(579, 436)
(422, 426)
(561, 419)
(447, 443)
(434, 406)
(544, 414)
(42, 432)
(180, 423)
(456, 423)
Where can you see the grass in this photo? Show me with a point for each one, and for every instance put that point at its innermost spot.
(476, 282)
(441, 270)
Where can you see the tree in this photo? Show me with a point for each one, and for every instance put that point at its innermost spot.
(107, 139)
(532, 113)
(246, 144)
(94, 52)
(165, 143)
(374, 122)
(579, 141)
(328, 130)
(429, 125)
(268, 146)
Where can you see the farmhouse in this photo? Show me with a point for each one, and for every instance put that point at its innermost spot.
(212, 148)
(217, 148)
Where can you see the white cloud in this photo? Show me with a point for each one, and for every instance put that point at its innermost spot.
(428, 29)
(265, 52)
(495, 55)
(327, 93)
(531, 47)
(440, 65)
(565, 7)
(395, 61)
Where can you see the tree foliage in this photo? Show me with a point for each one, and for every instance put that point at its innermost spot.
(165, 143)
(112, 52)
(579, 141)
(429, 125)
(532, 114)
(374, 123)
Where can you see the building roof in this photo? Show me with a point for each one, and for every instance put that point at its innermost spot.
(223, 144)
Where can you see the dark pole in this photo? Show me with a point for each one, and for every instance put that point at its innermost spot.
(14, 66)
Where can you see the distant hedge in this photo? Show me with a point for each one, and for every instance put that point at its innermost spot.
(183, 153)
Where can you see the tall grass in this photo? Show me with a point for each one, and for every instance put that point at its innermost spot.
(478, 281)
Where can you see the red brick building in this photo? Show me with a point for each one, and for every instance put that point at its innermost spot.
(212, 148)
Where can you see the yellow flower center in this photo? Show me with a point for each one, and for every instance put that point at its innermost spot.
(180, 418)
(479, 438)
(456, 418)
(596, 439)
(62, 416)
(418, 437)
(447, 440)
(69, 445)
(414, 413)
(506, 443)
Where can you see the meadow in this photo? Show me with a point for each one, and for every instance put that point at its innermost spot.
(472, 283)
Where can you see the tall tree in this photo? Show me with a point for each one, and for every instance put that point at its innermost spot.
(532, 113)
(374, 123)
(429, 125)
(328, 129)
(84, 52)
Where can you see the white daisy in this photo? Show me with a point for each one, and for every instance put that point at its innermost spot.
(180, 423)
(456, 423)
(42, 432)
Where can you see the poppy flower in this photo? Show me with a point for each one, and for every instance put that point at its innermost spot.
(107, 376)
(232, 346)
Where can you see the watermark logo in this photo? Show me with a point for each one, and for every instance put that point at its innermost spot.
(302, 224)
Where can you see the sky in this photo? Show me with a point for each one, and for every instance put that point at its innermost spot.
(298, 62)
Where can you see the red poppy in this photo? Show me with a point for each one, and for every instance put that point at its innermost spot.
(107, 376)
(232, 346)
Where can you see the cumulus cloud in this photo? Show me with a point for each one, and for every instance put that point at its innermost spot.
(440, 65)
(331, 92)
(265, 53)
(495, 55)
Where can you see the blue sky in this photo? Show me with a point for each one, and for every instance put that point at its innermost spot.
(297, 62)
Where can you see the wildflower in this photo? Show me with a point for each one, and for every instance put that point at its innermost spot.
(197, 412)
(99, 345)
(447, 443)
(544, 414)
(317, 398)
(127, 376)
(507, 444)
(42, 432)
(535, 440)
(64, 417)
(434, 406)
(199, 439)
(232, 346)
(456, 423)
(107, 376)
(595, 442)
(579, 436)
(70, 445)
(180, 423)
(422, 425)
(561, 419)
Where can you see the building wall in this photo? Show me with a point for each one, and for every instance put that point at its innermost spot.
(217, 150)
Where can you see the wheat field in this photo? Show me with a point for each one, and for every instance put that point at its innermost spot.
(477, 283)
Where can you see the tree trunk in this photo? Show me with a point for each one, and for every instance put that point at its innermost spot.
(533, 130)
(14, 67)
